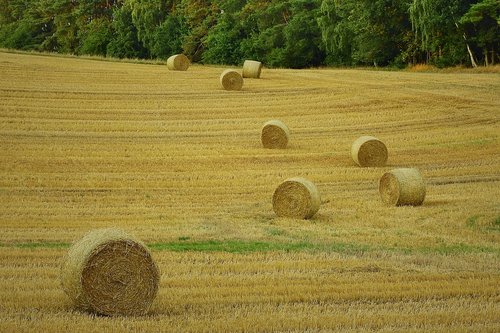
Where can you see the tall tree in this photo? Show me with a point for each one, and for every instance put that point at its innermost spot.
(200, 17)
(282, 33)
(223, 41)
(482, 24)
(168, 36)
(436, 24)
(367, 32)
(25, 25)
(380, 27)
(337, 31)
(147, 16)
(125, 43)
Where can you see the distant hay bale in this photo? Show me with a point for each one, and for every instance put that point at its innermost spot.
(110, 273)
(296, 198)
(401, 187)
(275, 135)
(252, 69)
(368, 151)
(231, 80)
(178, 62)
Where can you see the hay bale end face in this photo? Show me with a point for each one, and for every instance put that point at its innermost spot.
(275, 135)
(368, 151)
(296, 198)
(252, 69)
(110, 273)
(402, 187)
(231, 80)
(178, 62)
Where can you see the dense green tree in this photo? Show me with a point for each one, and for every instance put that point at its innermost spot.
(436, 25)
(125, 43)
(337, 31)
(24, 25)
(365, 31)
(223, 41)
(482, 24)
(168, 36)
(200, 17)
(147, 16)
(95, 37)
(94, 21)
(380, 30)
(303, 46)
(280, 33)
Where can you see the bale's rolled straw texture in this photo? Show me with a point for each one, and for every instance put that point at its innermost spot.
(401, 187)
(252, 69)
(275, 135)
(110, 273)
(231, 80)
(368, 151)
(296, 198)
(178, 62)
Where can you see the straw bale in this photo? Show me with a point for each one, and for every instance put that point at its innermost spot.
(368, 151)
(178, 62)
(401, 187)
(231, 80)
(296, 198)
(252, 69)
(275, 135)
(110, 273)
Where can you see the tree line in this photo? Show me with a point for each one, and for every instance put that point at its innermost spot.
(280, 33)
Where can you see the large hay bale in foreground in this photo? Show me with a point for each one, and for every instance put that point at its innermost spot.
(110, 273)
(401, 187)
(275, 135)
(368, 151)
(296, 198)
(252, 69)
(231, 80)
(178, 62)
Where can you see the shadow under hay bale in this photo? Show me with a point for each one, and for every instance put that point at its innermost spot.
(110, 273)
(296, 198)
(252, 69)
(368, 151)
(402, 187)
(178, 62)
(275, 135)
(231, 80)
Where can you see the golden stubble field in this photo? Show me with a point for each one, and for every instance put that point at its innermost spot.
(176, 161)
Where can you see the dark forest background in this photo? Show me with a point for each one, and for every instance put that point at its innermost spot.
(284, 33)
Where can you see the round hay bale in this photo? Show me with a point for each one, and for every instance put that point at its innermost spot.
(231, 80)
(368, 151)
(296, 198)
(401, 187)
(110, 273)
(275, 135)
(178, 62)
(252, 69)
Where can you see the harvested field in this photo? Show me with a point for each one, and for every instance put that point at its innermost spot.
(177, 162)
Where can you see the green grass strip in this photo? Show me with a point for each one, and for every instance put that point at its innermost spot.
(242, 246)
(238, 246)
